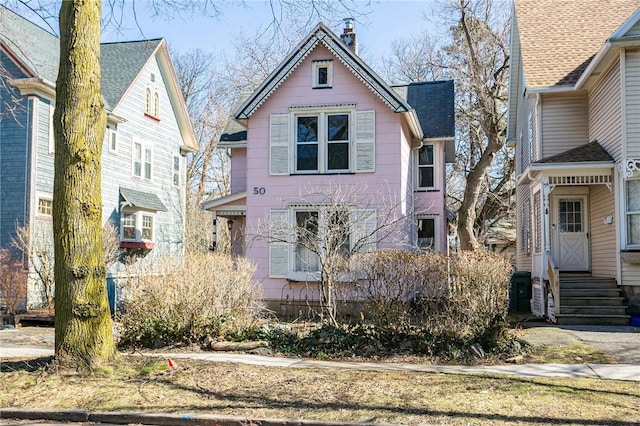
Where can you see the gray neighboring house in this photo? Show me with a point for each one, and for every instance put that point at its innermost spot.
(143, 157)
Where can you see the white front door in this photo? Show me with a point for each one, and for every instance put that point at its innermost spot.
(572, 233)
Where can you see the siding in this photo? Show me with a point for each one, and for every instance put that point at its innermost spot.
(634, 31)
(44, 160)
(238, 170)
(630, 274)
(523, 257)
(564, 124)
(603, 236)
(632, 86)
(605, 113)
(14, 158)
(525, 153)
(164, 137)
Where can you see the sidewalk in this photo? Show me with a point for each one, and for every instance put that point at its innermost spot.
(35, 345)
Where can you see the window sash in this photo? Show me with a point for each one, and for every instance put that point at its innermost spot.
(426, 167)
(147, 227)
(129, 226)
(323, 139)
(306, 259)
(632, 211)
(176, 170)
(427, 233)
(45, 207)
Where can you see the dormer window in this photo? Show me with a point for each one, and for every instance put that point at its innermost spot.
(322, 74)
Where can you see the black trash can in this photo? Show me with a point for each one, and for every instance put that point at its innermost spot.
(520, 292)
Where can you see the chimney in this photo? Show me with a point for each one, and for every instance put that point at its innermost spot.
(348, 36)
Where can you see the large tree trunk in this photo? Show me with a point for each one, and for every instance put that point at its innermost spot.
(83, 322)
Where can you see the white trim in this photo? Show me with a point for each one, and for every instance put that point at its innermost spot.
(112, 138)
(138, 221)
(434, 166)
(144, 147)
(52, 141)
(316, 66)
(435, 246)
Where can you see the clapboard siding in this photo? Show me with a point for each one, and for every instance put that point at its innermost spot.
(14, 155)
(605, 113)
(164, 137)
(603, 236)
(564, 124)
(526, 141)
(523, 256)
(632, 85)
(634, 31)
(44, 159)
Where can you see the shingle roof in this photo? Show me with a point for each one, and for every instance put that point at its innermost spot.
(559, 38)
(591, 152)
(121, 62)
(434, 105)
(36, 48)
(39, 50)
(142, 200)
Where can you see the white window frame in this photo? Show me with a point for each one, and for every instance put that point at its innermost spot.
(144, 149)
(139, 218)
(435, 156)
(435, 246)
(294, 252)
(316, 67)
(148, 101)
(175, 173)
(112, 140)
(323, 142)
(628, 213)
(44, 198)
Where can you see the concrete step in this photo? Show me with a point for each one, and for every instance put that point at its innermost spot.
(591, 301)
(577, 319)
(593, 310)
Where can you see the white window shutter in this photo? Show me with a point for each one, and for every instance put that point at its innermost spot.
(278, 245)
(365, 143)
(364, 223)
(279, 144)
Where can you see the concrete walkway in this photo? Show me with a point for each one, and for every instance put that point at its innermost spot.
(629, 372)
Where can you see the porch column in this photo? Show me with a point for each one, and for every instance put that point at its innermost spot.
(546, 191)
(214, 231)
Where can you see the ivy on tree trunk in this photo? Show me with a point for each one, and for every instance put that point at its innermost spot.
(83, 332)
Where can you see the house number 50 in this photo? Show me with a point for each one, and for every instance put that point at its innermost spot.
(259, 191)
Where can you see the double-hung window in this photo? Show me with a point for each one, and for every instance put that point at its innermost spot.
(426, 167)
(427, 232)
(323, 143)
(142, 160)
(632, 211)
(306, 251)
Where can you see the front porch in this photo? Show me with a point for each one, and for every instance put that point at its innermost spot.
(573, 238)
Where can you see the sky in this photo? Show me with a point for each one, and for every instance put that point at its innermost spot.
(386, 22)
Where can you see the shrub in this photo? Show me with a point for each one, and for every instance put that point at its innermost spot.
(208, 295)
(13, 283)
(457, 298)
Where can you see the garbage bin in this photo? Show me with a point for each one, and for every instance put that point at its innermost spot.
(520, 292)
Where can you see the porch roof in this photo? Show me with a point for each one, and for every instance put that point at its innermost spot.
(236, 201)
(588, 153)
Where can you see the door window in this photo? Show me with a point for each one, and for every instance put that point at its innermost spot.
(570, 216)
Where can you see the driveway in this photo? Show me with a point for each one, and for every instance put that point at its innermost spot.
(620, 342)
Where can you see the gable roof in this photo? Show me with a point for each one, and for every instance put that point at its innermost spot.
(558, 39)
(121, 63)
(433, 102)
(591, 152)
(321, 34)
(38, 53)
(35, 49)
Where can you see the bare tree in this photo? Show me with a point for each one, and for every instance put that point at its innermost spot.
(38, 247)
(340, 222)
(475, 54)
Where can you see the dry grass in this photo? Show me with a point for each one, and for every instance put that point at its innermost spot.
(144, 384)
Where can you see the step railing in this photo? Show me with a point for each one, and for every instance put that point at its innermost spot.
(554, 282)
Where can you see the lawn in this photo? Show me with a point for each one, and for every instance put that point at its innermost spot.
(411, 398)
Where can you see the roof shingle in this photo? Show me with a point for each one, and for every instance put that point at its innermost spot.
(559, 38)
(591, 152)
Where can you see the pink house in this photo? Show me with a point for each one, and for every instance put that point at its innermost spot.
(325, 132)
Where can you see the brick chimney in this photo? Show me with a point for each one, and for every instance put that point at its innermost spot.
(348, 36)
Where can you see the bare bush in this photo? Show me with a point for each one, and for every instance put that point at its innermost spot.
(110, 243)
(13, 283)
(189, 302)
(392, 279)
(37, 245)
(463, 296)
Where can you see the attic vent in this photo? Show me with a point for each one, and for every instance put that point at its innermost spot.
(153, 77)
